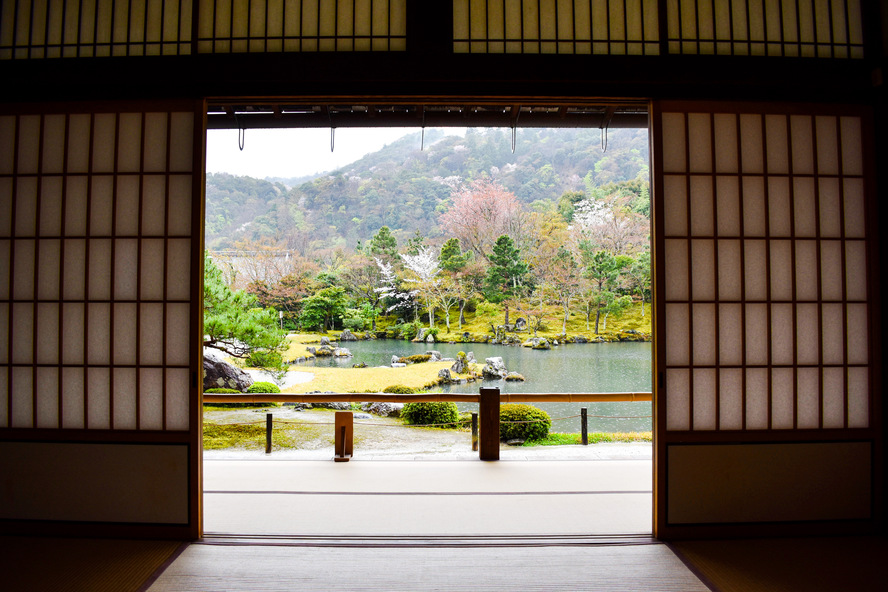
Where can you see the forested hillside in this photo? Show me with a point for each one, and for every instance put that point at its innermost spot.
(407, 189)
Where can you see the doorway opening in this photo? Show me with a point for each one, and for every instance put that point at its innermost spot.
(512, 233)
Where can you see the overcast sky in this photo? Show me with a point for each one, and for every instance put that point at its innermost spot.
(293, 152)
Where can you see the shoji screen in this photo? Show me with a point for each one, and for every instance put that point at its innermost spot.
(99, 297)
(765, 327)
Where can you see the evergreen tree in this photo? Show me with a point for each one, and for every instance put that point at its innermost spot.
(504, 277)
(383, 243)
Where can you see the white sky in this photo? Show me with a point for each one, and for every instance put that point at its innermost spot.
(293, 152)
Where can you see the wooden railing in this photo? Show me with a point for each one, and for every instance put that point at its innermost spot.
(488, 399)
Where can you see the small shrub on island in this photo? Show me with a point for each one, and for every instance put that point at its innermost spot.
(538, 428)
(431, 414)
(417, 359)
(398, 389)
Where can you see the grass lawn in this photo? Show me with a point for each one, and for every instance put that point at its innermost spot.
(371, 380)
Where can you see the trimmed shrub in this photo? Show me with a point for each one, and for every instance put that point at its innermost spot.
(222, 391)
(398, 389)
(523, 431)
(431, 413)
(228, 391)
(263, 387)
(417, 359)
(265, 359)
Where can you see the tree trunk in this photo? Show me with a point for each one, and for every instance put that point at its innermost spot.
(597, 318)
(462, 318)
(642, 305)
(506, 307)
(431, 317)
(605, 322)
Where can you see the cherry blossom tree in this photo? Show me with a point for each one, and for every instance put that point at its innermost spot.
(481, 212)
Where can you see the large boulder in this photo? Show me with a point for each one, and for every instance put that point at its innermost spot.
(445, 374)
(384, 409)
(347, 336)
(435, 355)
(325, 340)
(342, 352)
(219, 374)
(494, 368)
(421, 335)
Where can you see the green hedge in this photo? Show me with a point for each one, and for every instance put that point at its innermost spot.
(431, 413)
(523, 431)
(263, 387)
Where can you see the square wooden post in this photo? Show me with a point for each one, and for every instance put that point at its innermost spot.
(344, 424)
(489, 419)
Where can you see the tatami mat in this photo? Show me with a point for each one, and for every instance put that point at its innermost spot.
(603, 568)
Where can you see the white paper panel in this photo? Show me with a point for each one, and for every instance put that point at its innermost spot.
(47, 398)
(830, 208)
(726, 155)
(50, 223)
(852, 146)
(99, 269)
(127, 223)
(782, 334)
(178, 337)
(858, 334)
(827, 145)
(808, 398)
(777, 144)
(72, 398)
(153, 205)
(858, 398)
(23, 269)
(104, 142)
(676, 205)
(728, 200)
(754, 212)
(756, 399)
(125, 334)
(22, 333)
(702, 205)
(28, 144)
(181, 142)
(75, 270)
(674, 151)
(833, 328)
(831, 272)
(802, 144)
(730, 335)
(782, 398)
(700, 143)
(781, 269)
(678, 406)
(855, 213)
(151, 334)
(179, 223)
(704, 344)
(806, 267)
(808, 334)
(73, 332)
(22, 398)
(78, 143)
(124, 398)
(98, 334)
(5, 207)
(126, 269)
(855, 269)
(75, 206)
(151, 398)
(53, 144)
(48, 328)
(704, 272)
(155, 142)
(729, 271)
(101, 199)
(755, 262)
(48, 270)
(26, 206)
(7, 145)
(833, 398)
(177, 396)
(730, 399)
(756, 334)
(129, 151)
(704, 399)
(677, 335)
(779, 218)
(98, 393)
(152, 269)
(804, 208)
(179, 269)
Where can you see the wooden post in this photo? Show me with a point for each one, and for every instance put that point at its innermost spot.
(268, 424)
(344, 438)
(490, 423)
(584, 425)
(474, 432)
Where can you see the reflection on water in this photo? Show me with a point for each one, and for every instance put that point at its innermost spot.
(590, 368)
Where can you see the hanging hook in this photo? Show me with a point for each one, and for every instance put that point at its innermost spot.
(422, 136)
(604, 139)
(241, 133)
(332, 138)
(605, 125)
(515, 128)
